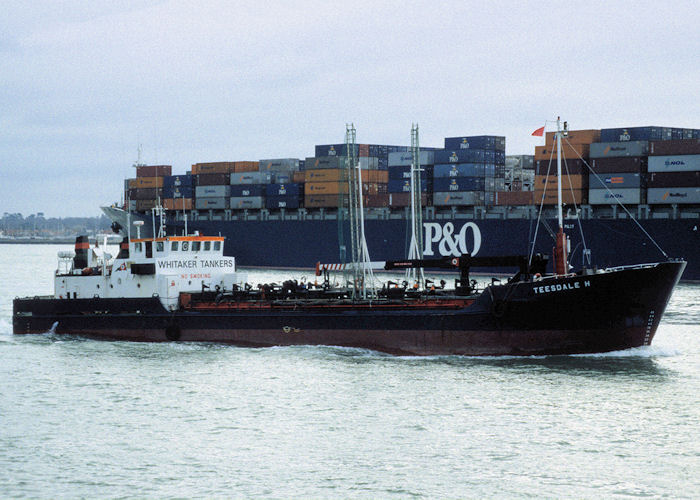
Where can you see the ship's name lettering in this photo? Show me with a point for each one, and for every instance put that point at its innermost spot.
(177, 264)
(560, 287)
(192, 264)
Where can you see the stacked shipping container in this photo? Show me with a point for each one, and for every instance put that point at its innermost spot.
(576, 150)
(146, 190)
(674, 172)
(654, 165)
(469, 171)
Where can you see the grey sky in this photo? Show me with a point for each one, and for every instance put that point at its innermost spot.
(84, 82)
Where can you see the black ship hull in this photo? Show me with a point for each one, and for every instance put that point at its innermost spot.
(585, 313)
(295, 243)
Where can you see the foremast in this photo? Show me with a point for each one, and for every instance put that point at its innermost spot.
(561, 258)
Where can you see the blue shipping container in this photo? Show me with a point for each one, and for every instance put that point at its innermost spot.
(281, 178)
(490, 142)
(447, 184)
(273, 202)
(171, 181)
(636, 134)
(404, 186)
(242, 190)
(404, 172)
(283, 190)
(178, 192)
(460, 156)
(460, 170)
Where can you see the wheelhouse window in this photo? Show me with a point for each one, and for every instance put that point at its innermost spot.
(196, 245)
(160, 246)
(173, 246)
(138, 247)
(217, 246)
(185, 246)
(207, 246)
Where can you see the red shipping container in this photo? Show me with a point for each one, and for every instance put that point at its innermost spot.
(679, 147)
(177, 203)
(153, 170)
(376, 200)
(622, 165)
(404, 199)
(571, 166)
(673, 179)
(218, 179)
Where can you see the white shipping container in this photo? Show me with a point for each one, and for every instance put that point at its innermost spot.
(619, 149)
(672, 196)
(458, 198)
(212, 191)
(614, 181)
(402, 159)
(243, 202)
(251, 178)
(674, 163)
(211, 203)
(626, 196)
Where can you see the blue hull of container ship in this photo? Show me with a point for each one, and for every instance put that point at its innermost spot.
(303, 243)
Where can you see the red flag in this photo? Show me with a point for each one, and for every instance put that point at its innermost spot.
(539, 132)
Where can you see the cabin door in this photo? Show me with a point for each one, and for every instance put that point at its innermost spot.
(149, 249)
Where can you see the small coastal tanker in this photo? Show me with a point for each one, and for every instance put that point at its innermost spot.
(185, 289)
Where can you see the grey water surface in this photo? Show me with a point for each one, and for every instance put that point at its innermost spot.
(87, 418)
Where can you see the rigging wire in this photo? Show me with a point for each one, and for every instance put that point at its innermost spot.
(620, 203)
(586, 251)
(539, 213)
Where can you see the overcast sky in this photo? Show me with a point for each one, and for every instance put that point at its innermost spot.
(83, 83)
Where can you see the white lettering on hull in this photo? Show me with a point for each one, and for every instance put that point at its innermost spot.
(560, 287)
(449, 243)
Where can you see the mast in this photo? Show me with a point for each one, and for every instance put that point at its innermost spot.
(416, 246)
(363, 277)
(561, 264)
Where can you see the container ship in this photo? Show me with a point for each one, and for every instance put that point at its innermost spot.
(185, 288)
(476, 200)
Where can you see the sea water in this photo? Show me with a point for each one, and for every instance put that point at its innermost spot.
(88, 418)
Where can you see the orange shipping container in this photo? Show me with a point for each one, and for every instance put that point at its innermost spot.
(567, 182)
(324, 175)
(177, 203)
(580, 196)
(298, 177)
(218, 167)
(311, 188)
(246, 166)
(332, 201)
(570, 151)
(143, 205)
(146, 182)
(576, 137)
(337, 174)
(324, 201)
(379, 176)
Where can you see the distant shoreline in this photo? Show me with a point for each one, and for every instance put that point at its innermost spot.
(44, 241)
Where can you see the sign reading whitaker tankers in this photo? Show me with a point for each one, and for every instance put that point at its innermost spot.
(176, 266)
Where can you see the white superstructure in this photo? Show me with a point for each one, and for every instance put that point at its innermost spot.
(161, 267)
